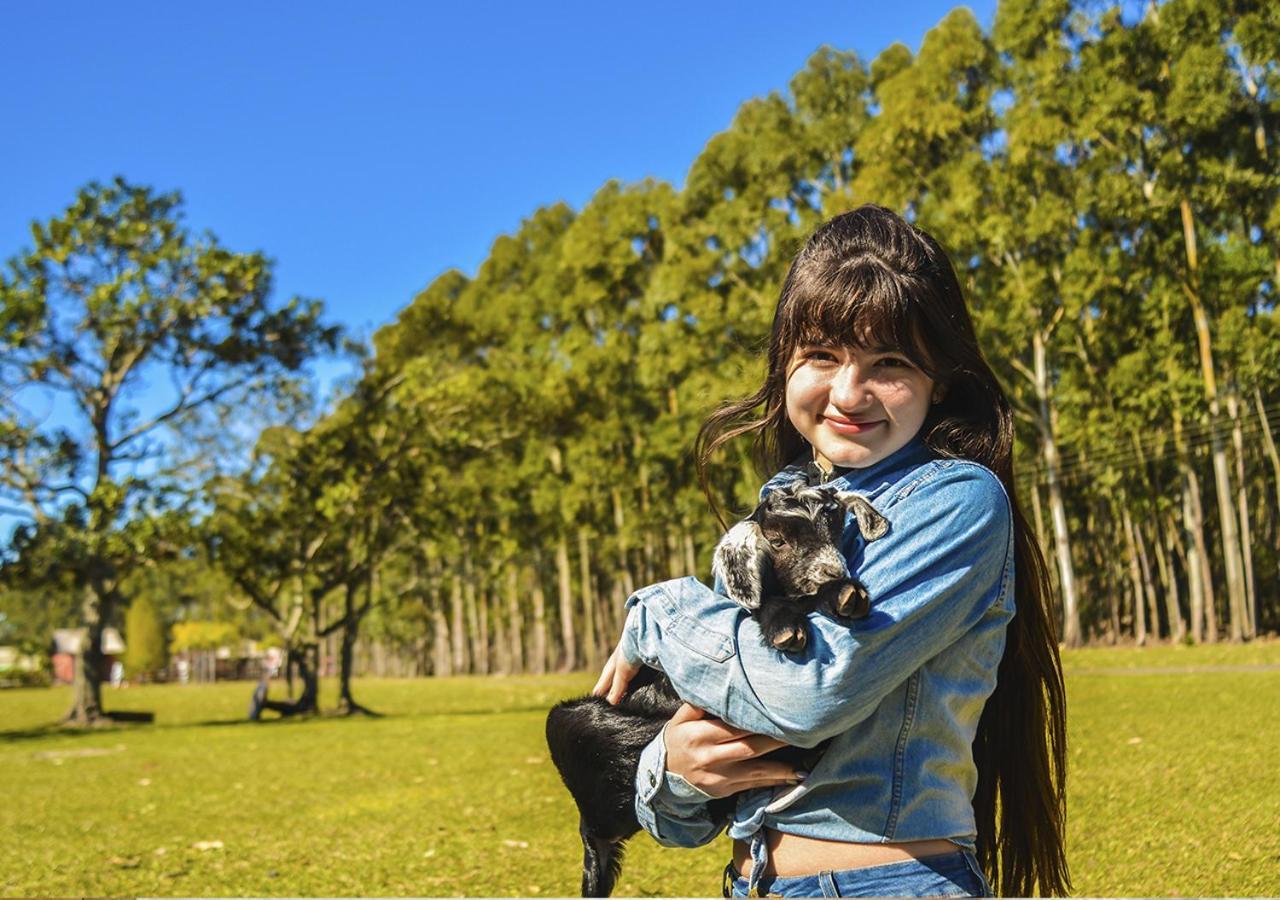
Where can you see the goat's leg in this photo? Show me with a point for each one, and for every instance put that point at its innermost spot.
(845, 599)
(783, 624)
(601, 862)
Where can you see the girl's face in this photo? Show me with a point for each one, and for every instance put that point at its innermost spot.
(856, 406)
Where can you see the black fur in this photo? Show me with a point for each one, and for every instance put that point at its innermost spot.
(596, 746)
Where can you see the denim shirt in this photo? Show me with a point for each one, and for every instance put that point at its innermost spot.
(899, 693)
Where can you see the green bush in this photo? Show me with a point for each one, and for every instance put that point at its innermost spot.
(203, 636)
(146, 650)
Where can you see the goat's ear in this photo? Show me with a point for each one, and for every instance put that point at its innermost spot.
(739, 562)
(870, 523)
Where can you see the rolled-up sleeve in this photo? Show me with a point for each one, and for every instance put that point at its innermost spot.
(668, 807)
(946, 562)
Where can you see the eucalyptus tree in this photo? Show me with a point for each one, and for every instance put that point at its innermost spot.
(1028, 228)
(596, 289)
(116, 294)
(1199, 161)
(925, 151)
(751, 197)
(478, 358)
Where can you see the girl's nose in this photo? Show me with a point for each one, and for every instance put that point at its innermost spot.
(848, 388)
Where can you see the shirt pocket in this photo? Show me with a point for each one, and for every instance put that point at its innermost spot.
(700, 639)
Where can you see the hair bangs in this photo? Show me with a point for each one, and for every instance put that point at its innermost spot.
(861, 304)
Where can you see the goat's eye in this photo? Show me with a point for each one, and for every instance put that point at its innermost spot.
(777, 543)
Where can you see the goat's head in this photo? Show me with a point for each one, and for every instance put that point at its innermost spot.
(790, 544)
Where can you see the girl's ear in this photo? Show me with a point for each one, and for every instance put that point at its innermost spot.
(738, 561)
(872, 525)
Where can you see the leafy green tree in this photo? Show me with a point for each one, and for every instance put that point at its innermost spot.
(146, 650)
(116, 294)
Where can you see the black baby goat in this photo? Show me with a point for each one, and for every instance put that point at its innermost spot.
(780, 563)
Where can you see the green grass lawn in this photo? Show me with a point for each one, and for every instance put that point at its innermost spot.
(1174, 786)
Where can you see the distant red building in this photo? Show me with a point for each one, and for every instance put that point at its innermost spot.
(66, 646)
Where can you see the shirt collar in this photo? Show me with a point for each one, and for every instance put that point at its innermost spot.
(868, 480)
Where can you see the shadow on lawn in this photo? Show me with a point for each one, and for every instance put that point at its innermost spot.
(56, 729)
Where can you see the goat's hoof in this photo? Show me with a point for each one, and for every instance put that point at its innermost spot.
(791, 639)
(853, 602)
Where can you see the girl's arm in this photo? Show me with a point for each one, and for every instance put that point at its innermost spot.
(945, 565)
(671, 809)
(722, 759)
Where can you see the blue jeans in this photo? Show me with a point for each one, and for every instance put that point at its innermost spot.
(945, 875)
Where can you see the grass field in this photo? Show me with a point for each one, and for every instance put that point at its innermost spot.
(1174, 789)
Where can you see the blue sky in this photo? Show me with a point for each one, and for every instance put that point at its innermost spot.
(368, 148)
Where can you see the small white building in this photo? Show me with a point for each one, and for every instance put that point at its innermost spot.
(66, 646)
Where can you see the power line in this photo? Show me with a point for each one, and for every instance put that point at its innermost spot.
(1196, 437)
(1124, 461)
(1193, 433)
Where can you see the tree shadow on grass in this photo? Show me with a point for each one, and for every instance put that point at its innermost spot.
(57, 729)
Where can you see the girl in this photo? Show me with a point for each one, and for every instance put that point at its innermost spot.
(944, 709)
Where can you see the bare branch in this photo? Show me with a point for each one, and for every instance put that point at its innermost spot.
(185, 404)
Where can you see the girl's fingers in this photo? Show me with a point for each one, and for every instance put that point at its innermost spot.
(606, 677)
(623, 672)
(686, 713)
(765, 773)
(750, 746)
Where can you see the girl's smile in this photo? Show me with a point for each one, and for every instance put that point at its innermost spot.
(856, 406)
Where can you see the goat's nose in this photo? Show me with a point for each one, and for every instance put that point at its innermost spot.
(833, 573)
(831, 566)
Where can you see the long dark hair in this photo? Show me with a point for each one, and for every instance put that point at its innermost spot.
(866, 278)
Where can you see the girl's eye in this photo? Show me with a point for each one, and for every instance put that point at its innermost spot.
(893, 362)
(821, 355)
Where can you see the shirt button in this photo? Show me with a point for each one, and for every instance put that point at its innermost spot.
(652, 780)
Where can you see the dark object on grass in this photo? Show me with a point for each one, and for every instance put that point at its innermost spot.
(307, 659)
(780, 563)
(259, 697)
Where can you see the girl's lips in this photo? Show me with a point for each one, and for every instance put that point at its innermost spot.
(844, 426)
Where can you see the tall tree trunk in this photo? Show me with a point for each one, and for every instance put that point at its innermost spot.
(515, 624)
(1269, 442)
(457, 630)
(589, 625)
(1148, 583)
(488, 626)
(441, 658)
(567, 634)
(347, 704)
(502, 630)
(1242, 507)
(674, 556)
(541, 645)
(650, 557)
(1037, 511)
(480, 600)
(623, 573)
(1057, 507)
(1231, 556)
(690, 553)
(1135, 576)
(86, 691)
(646, 523)
(1177, 627)
(1203, 620)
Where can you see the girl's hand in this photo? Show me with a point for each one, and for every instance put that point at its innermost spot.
(617, 674)
(719, 759)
